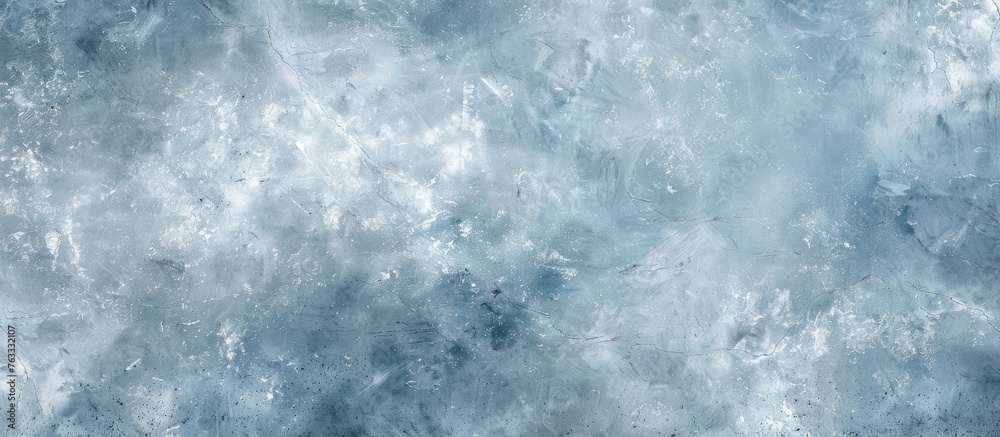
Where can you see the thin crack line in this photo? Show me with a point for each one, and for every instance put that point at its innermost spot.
(410, 308)
(774, 348)
(956, 301)
(224, 23)
(298, 78)
(997, 23)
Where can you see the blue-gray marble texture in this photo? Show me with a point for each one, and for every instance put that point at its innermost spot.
(501, 218)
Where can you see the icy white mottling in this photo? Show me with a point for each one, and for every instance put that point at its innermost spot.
(500, 218)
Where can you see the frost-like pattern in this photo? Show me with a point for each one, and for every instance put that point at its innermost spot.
(498, 218)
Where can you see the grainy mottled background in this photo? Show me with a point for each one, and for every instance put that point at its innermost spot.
(499, 218)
